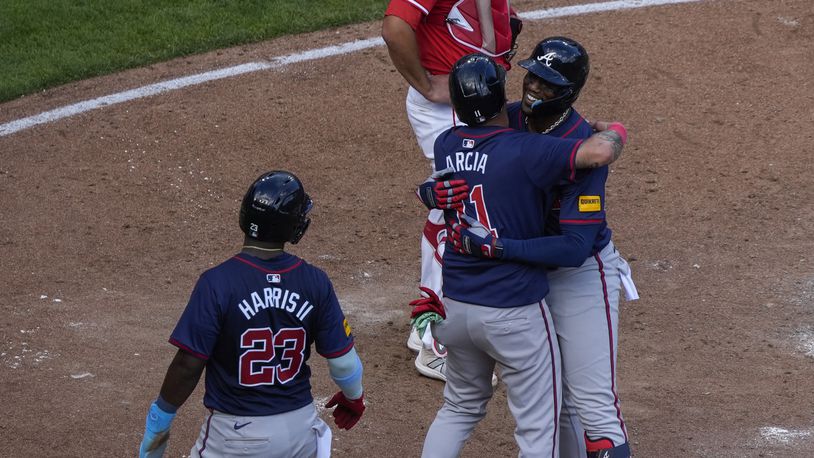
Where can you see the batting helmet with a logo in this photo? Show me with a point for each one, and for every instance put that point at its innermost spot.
(477, 88)
(563, 64)
(275, 208)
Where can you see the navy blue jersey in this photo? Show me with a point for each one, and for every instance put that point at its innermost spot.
(254, 321)
(577, 205)
(509, 173)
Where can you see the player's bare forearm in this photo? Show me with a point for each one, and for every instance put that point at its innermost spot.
(614, 140)
(602, 148)
(182, 377)
(403, 49)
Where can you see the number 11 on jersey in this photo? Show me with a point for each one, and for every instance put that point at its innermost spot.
(481, 214)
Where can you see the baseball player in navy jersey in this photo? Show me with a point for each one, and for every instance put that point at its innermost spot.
(584, 291)
(495, 311)
(424, 39)
(250, 322)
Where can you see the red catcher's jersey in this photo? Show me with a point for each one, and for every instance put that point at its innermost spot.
(447, 30)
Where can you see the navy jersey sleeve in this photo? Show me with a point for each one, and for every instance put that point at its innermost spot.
(333, 334)
(567, 250)
(582, 212)
(199, 326)
(548, 160)
(583, 202)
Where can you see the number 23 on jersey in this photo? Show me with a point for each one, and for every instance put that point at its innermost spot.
(256, 364)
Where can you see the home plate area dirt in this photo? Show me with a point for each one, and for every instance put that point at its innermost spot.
(108, 218)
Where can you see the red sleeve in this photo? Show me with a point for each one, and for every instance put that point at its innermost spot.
(412, 11)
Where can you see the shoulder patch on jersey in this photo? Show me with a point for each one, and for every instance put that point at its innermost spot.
(590, 204)
(347, 327)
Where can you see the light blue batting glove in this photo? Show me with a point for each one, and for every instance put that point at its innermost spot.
(156, 432)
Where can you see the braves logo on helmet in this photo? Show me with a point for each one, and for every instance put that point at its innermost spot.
(563, 65)
(547, 58)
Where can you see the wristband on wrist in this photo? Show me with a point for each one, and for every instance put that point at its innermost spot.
(165, 406)
(619, 128)
(158, 420)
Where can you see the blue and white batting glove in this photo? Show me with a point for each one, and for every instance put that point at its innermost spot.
(156, 431)
(475, 239)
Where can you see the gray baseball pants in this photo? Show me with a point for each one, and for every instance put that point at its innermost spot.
(521, 342)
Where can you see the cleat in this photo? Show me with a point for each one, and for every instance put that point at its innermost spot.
(430, 365)
(414, 341)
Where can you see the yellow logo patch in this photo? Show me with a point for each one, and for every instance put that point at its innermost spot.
(347, 327)
(590, 204)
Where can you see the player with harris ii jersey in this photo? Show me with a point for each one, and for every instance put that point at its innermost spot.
(250, 322)
(495, 311)
(424, 39)
(584, 290)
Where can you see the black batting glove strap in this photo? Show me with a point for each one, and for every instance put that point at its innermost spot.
(478, 242)
(426, 194)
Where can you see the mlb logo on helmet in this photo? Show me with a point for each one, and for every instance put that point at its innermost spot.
(469, 143)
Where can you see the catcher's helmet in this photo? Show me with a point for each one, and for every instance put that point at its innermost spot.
(563, 64)
(275, 208)
(477, 88)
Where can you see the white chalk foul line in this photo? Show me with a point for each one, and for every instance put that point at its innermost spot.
(328, 51)
(596, 8)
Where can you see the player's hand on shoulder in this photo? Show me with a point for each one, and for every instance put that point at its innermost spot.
(615, 126)
(348, 411)
(156, 432)
(473, 238)
(441, 193)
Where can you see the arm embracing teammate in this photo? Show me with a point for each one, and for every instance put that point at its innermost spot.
(251, 322)
(424, 39)
(496, 315)
(585, 270)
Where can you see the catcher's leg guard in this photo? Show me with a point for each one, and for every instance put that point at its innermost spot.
(603, 448)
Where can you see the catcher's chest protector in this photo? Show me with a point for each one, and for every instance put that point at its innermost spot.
(487, 33)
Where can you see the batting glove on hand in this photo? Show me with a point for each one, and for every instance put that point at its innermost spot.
(348, 411)
(437, 192)
(473, 238)
(431, 303)
(156, 433)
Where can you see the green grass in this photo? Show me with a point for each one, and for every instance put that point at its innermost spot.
(45, 43)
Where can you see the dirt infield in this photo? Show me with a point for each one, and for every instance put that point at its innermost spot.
(108, 217)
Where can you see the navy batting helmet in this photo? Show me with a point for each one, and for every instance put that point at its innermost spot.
(563, 64)
(275, 208)
(477, 88)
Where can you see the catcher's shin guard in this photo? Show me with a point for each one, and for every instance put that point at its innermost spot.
(603, 448)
